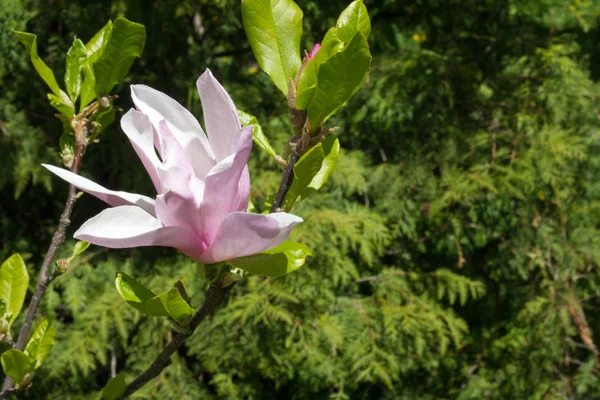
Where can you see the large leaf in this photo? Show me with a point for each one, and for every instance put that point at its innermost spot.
(125, 44)
(15, 364)
(338, 79)
(258, 135)
(96, 45)
(354, 19)
(115, 388)
(40, 343)
(75, 59)
(29, 40)
(312, 170)
(94, 50)
(281, 260)
(274, 29)
(14, 281)
(137, 295)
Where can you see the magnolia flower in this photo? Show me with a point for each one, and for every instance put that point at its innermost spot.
(202, 183)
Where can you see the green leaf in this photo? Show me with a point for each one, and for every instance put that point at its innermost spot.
(94, 50)
(125, 44)
(88, 92)
(354, 19)
(40, 343)
(115, 388)
(312, 170)
(75, 59)
(79, 248)
(258, 135)
(338, 79)
(176, 306)
(29, 40)
(167, 304)
(16, 364)
(96, 45)
(274, 29)
(281, 260)
(137, 295)
(14, 281)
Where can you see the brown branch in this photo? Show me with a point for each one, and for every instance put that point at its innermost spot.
(45, 276)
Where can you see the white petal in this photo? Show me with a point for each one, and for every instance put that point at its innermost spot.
(130, 226)
(111, 197)
(220, 116)
(158, 106)
(139, 130)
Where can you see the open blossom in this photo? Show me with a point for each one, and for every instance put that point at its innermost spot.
(202, 183)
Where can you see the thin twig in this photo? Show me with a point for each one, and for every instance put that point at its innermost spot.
(286, 181)
(45, 276)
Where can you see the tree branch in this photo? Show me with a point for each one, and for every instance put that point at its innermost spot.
(45, 277)
(214, 297)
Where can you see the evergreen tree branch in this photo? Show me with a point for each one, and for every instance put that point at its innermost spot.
(45, 277)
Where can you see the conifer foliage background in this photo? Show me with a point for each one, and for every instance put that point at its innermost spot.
(456, 248)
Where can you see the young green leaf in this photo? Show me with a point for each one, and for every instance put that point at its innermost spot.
(14, 281)
(354, 19)
(137, 295)
(274, 29)
(338, 79)
(79, 248)
(312, 170)
(258, 135)
(75, 59)
(125, 44)
(96, 45)
(177, 307)
(115, 388)
(88, 83)
(29, 40)
(40, 343)
(62, 103)
(16, 364)
(281, 260)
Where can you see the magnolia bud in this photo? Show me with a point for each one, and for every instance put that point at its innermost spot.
(61, 265)
(104, 102)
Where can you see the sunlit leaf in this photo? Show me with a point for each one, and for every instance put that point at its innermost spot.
(281, 260)
(40, 343)
(258, 135)
(14, 281)
(274, 29)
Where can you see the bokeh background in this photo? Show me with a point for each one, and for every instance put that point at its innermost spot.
(456, 247)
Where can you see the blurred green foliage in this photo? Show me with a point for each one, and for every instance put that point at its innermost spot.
(455, 248)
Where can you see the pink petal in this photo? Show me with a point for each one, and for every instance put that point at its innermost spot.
(139, 130)
(172, 153)
(314, 51)
(130, 226)
(220, 116)
(180, 204)
(243, 192)
(222, 188)
(158, 106)
(113, 198)
(243, 234)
